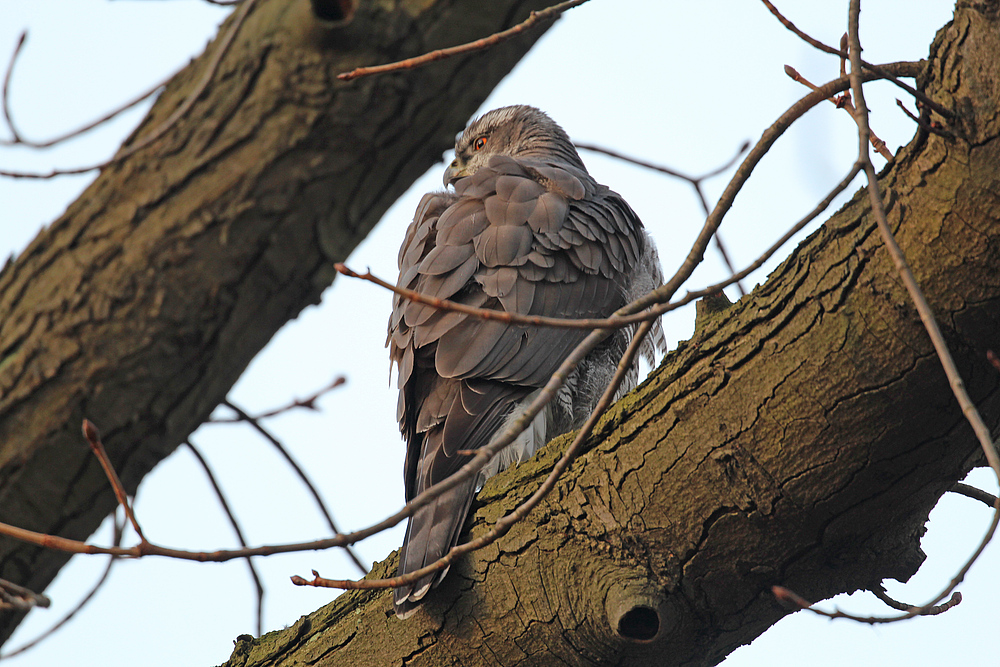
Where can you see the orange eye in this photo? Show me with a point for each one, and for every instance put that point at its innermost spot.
(479, 143)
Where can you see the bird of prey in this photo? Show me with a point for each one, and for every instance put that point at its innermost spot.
(526, 230)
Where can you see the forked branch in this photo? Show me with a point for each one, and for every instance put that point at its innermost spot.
(933, 330)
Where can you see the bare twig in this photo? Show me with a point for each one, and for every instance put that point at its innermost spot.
(19, 138)
(20, 598)
(96, 446)
(923, 308)
(236, 529)
(146, 548)
(933, 127)
(180, 112)
(976, 494)
(79, 605)
(301, 475)
(796, 601)
(930, 324)
(879, 592)
(721, 247)
(693, 180)
(490, 314)
(308, 403)
(6, 89)
(843, 102)
(478, 45)
(843, 55)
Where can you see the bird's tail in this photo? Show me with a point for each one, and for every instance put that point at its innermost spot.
(430, 533)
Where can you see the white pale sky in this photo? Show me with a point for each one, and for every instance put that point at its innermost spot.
(682, 83)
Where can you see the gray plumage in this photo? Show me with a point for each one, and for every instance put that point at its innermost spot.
(527, 230)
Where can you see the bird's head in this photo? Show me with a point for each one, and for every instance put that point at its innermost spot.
(515, 131)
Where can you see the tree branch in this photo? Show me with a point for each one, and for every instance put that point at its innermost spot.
(800, 439)
(142, 305)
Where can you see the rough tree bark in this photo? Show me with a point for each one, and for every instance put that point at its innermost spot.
(141, 306)
(800, 438)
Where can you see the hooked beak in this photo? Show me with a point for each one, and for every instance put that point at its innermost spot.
(455, 171)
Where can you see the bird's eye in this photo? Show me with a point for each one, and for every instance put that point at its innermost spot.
(479, 143)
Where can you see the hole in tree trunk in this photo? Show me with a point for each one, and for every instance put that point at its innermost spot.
(337, 11)
(639, 624)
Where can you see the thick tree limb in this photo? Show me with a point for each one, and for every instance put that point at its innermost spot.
(800, 439)
(143, 304)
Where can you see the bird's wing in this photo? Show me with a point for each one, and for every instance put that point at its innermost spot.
(525, 236)
(520, 235)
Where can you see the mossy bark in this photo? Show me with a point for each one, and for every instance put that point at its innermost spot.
(141, 306)
(800, 438)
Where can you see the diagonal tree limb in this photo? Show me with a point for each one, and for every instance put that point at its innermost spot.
(801, 437)
(192, 252)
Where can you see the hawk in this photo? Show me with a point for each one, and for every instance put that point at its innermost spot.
(526, 230)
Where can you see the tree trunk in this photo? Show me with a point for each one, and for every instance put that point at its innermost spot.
(141, 306)
(800, 438)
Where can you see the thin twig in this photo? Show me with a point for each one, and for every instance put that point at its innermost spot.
(923, 308)
(976, 494)
(796, 601)
(879, 592)
(213, 64)
(478, 45)
(842, 54)
(96, 446)
(931, 126)
(308, 403)
(19, 598)
(694, 180)
(497, 315)
(721, 247)
(79, 605)
(844, 103)
(19, 138)
(6, 89)
(236, 529)
(301, 475)
(927, 317)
